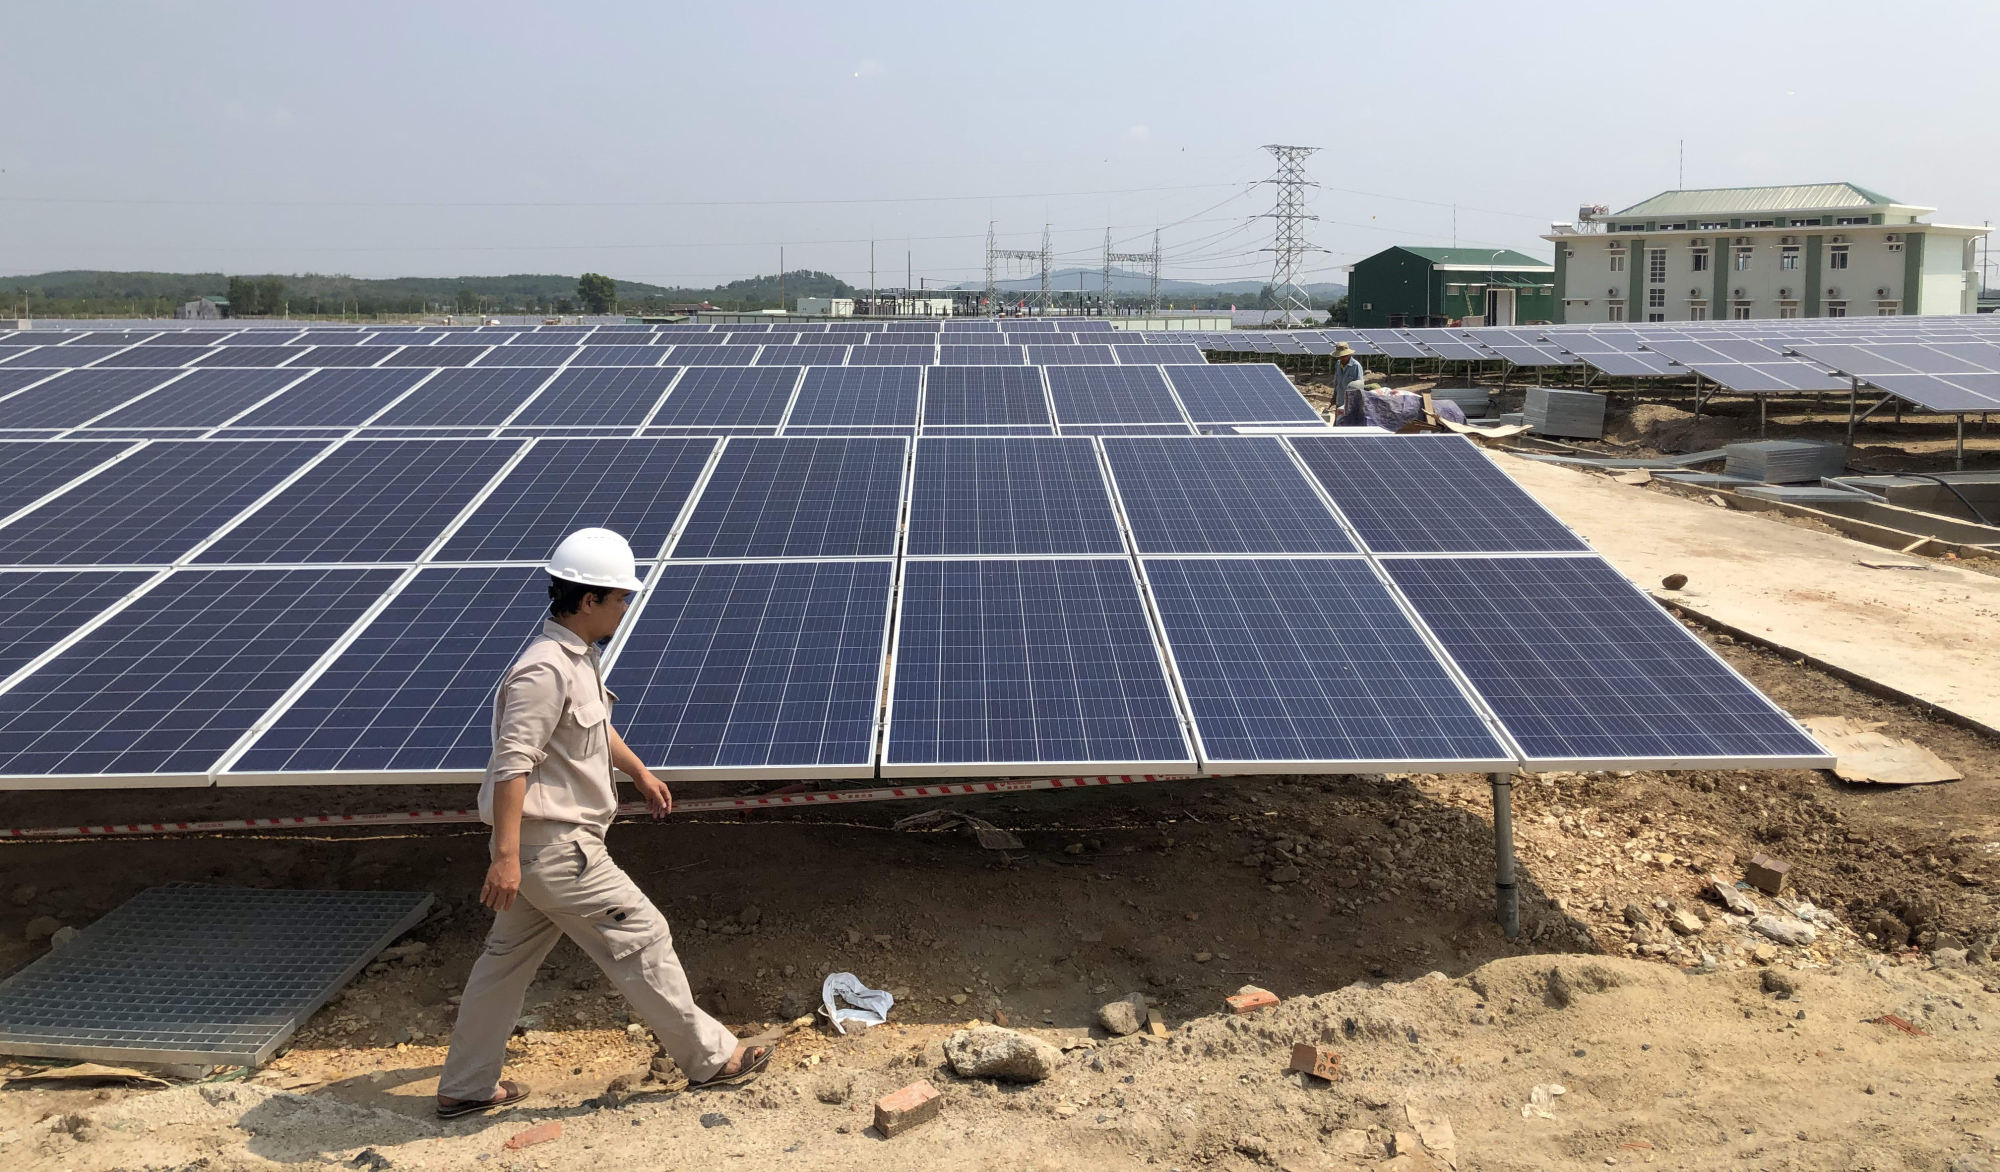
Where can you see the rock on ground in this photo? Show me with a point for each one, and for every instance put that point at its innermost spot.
(1127, 1015)
(991, 1052)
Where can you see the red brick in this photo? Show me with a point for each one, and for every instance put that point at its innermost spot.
(540, 1133)
(899, 1111)
(1316, 1061)
(1251, 1000)
(1766, 873)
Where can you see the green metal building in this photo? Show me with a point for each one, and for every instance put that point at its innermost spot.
(1405, 286)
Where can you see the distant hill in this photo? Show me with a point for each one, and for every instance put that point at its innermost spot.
(1123, 281)
(84, 292)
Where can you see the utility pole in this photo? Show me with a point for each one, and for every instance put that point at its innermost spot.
(1289, 246)
(871, 278)
(1150, 259)
(781, 278)
(1048, 258)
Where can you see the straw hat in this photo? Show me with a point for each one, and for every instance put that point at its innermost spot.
(1342, 350)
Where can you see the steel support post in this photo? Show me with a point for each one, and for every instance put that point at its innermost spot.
(1507, 899)
(1959, 463)
(1853, 393)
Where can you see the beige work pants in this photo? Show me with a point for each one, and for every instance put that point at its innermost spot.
(570, 886)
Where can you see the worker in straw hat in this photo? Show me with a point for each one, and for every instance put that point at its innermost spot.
(1348, 373)
(549, 796)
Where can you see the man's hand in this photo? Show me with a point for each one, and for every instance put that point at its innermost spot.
(658, 797)
(503, 882)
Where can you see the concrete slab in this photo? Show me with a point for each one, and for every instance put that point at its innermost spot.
(1933, 633)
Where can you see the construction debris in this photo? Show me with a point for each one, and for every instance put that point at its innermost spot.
(914, 1105)
(1317, 1061)
(1250, 999)
(1767, 874)
(990, 836)
(1865, 755)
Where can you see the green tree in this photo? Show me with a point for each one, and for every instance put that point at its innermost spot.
(270, 296)
(596, 291)
(468, 301)
(242, 297)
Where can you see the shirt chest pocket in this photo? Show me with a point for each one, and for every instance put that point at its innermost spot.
(584, 724)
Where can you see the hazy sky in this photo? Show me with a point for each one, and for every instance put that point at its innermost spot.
(678, 144)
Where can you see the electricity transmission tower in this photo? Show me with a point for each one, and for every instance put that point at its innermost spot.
(1289, 247)
(1150, 259)
(1045, 257)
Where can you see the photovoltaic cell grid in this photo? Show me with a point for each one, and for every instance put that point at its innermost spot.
(30, 470)
(600, 396)
(799, 498)
(1010, 496)
(414, 692)
(167, 685)
(332, 398)
(758, 665)
(1219, 494)
(465, 398)
(187, 973)
(43, 607)
(1242, 393)
(153, 506)
(749, 397)
(78, 396)
(1295, 660)
(635, 487)
(369, 501)
(1012, 666)
(876, 396)
(204, 398)
(1581, 667)
(984, 396)
(1430, 494)
(1120, 394)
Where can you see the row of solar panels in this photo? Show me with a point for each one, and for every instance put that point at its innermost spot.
(140, 356)
(1131, 604)
(630, 400)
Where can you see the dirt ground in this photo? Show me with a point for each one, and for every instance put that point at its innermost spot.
(1364, 901)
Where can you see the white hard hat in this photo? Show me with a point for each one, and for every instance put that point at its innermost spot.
(595, 557)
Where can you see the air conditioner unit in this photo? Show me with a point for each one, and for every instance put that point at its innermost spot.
(1882, 292)
(1840, 240)
(1832, 292)
(1742, 240)
(1694, 293)
(1892, 238)
(1611, 292)
(1788, 240)
(1784, 294)
(1737, 293)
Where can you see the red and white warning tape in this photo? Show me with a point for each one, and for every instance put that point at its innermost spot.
(840, 797)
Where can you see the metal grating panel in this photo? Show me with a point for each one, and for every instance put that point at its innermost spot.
(186, 973)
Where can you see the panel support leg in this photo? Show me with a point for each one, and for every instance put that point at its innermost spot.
(1959, 463)
(1853, 393)
(1507, 899)
(1761, 399)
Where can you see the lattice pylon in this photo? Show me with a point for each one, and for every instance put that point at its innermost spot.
(1289, 246)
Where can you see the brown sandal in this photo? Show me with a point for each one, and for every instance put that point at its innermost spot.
(755, 1059)
(511, 1092)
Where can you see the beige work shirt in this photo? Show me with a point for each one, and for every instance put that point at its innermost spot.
(552, 722)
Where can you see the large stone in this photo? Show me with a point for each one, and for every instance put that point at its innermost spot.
(992, 1052)
(42, 927)
(1784, 929)
(1685, 923)
(1127, 1015)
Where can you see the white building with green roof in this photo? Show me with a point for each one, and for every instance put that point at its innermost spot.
(1814, 250)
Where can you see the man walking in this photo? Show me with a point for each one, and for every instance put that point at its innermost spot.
(1348, 374)
(549, 796)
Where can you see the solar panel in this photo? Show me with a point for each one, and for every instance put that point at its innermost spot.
(59, 357)
(1310, 663)
(1247, 392)
(1219, 494)
(955, 354)
(1430, 494)
(43, 607)
(892, 356)
(1088, 429)
(1158, 355)
(1010, 496)
(30, 470)
(332, 338)
(189, 338)
(465, 398)
(534, 356)
(248, 356)
(1747, 367)
(802, 356)
(1937, 380)
(414, 691)
(984, 395)
(1010, 667)
(729, 397)
(153, 506)
(685, 355)
(204, 398)
(363, 355)
(1125, 394)
(1029, 429)
(165, 687)
(1582, 668)
(333, 398)
(875, 396)
(611, 396)
(802, 498)
(619, 356)
(369, 501)
(743, 668)
(77, 396)
(1070, 356)
(433, 356)
(635, 487)
(407, 337)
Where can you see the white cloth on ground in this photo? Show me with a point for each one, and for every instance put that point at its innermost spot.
(873, 1005)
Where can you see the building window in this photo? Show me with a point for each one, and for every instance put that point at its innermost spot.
(1700, 260)
(1760, 223)
(1656, 299)
(1836, 257)
(1739, 310)
(1836, 309)
(1743, 259)
(1714, 225)
(1656, 265)
(1617, 260)
(1614, 311)
(1888, 308)
(1788, 257)
(1698, 311)
(1788, 309)
(1850, 220)
(1812, 223)
(1656, 317)
(1895, 246)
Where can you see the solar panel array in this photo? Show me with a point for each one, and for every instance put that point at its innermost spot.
(270, 556)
